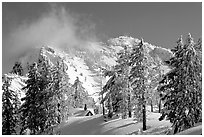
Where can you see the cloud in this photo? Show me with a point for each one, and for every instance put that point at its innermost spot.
(58, 28)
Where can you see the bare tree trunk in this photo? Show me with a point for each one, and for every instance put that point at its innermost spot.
(159, 105)
(144, 112)
(129, 102)
(103, 106)
(152, 106)
(129, 107)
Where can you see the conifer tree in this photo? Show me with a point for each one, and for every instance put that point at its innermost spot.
(80, 93)
(154, 76)
(117, 86)
(54, 94)
(44, 101)
(138, 78)
(116, 91)
(181, 87)
(10, 106)
(47, 101)
(32, 117)
(109, 88)
(123, 70)
(60, 87)
(76, 84)
(17, 69)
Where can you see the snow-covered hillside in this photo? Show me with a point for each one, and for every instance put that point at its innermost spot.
(86, 63)
(17, 82)
(95, 125)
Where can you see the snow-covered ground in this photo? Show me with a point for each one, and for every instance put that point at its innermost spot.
(197, 130)
(95, 125)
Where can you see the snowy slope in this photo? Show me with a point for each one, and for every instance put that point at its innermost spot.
(78, 65)
(95, 125)
(86, 62)
(197, 130)
(78, 68)
(159, 54)
(17, 82)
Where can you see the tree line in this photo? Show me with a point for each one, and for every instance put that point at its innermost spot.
(137, 80)
(48, 98)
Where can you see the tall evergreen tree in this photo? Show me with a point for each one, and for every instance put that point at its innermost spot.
(106, 89)
(80, 93)
(182, 87)
(113, 93)
(10, 106)
(138, 78)
(47, 101)
(123, 70)
(154, 76)
(44, 106)
(54, 95)
(60, 90)
(32, 112)
(117, 87)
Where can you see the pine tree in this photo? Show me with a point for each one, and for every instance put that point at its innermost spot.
(154, 76)
(138, 78)
(123, 70)
(181, 87)
(17, 69)
(10, 106)
(60, 79)
(75, 85)
(113, 88)
(47, 101)
(32, 111)
(61, 90)
(80, 93)
(54, 94)
(118, 87)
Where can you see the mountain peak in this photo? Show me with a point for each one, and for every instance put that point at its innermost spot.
(85, 63)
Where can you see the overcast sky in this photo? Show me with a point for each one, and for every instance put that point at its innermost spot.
(33, 24)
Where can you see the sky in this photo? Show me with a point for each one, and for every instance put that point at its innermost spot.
(28, 25)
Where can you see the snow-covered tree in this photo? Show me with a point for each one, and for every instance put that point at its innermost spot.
(139, 78)
(45, 105)
(154, 76)
(17, 69)
(117, 88)
(123, 69)
(182, 87)
(47, 100)
(61, 89)
(32, 112)
(76, 85)
(112, 90)
(10, 106)
(80, 95)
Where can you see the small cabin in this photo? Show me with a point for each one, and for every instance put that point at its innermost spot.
(81, 112)
(84, 113)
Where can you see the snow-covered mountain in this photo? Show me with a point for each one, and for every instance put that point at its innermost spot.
(158, 54)
(17, 83)
(86, 63)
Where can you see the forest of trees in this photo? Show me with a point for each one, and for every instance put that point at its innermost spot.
(48, 98)
(135, 82)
